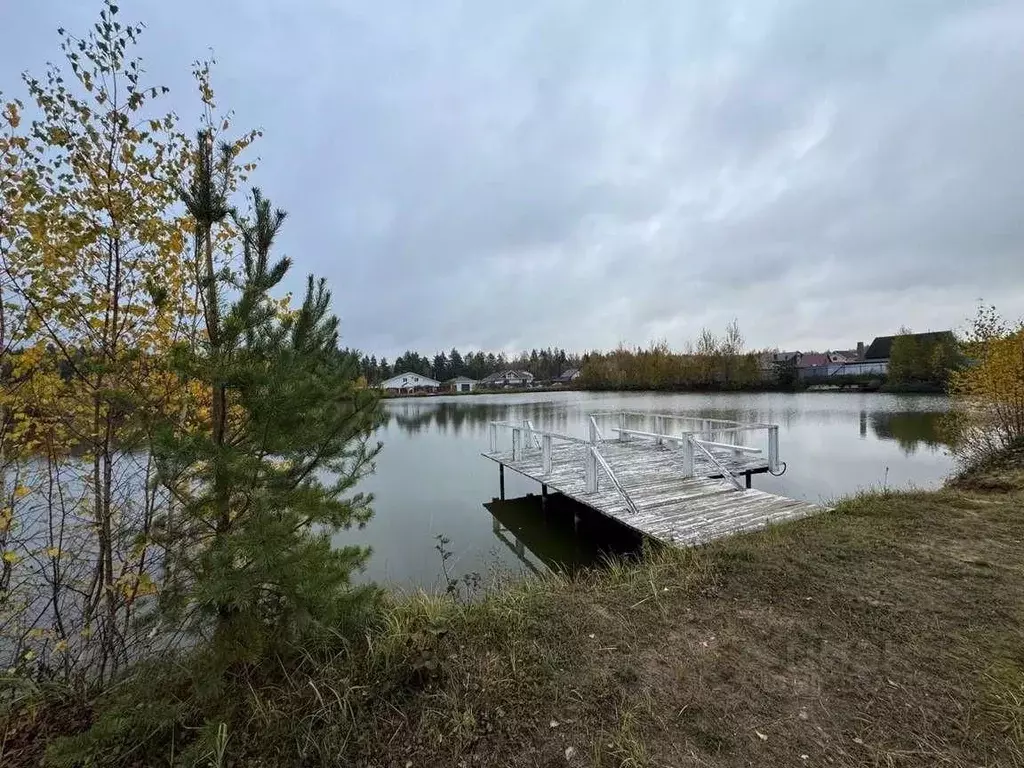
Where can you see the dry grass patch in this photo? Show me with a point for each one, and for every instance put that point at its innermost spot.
(888, 632)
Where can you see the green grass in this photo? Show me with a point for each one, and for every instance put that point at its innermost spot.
(888, 632)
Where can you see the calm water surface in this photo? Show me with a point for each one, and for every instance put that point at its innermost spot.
(431, 479)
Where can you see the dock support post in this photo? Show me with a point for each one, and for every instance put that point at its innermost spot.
(659, 427)
(546, 454)
(517, 443)
(622, 425)
(748, 479)
(527, 436)
(494, 438)
(687, 456)
(773, 448)
(591, 459)
(543, 497)
(501, 480)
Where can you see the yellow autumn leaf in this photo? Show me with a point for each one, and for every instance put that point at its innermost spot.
(21, 491)
(53, 551)
(10, 557)
(146, 586)
(61, 646)
(11, 114)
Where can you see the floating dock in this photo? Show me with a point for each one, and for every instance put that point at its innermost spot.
(683, 481)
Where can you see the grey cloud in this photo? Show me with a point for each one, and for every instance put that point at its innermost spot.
(514, 175)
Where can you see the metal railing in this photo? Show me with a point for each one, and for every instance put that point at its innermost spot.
(710, 433)
(726, 472)
(525, 438)
(615, 480)
(522, 427)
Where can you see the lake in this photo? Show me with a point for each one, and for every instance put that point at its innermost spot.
(432, 481)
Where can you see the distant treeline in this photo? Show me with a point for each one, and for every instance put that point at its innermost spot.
(660, 368)
(544, 364)
(712, 362)
(920, 362)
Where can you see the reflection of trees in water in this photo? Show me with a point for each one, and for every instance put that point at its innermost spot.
(910, 429)
(471, 416)
(412, 416)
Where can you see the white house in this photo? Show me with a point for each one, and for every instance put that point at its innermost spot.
(410, 382)
(461, 384)
(509, 379)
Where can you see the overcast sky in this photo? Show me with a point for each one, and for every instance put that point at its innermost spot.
(505, 175)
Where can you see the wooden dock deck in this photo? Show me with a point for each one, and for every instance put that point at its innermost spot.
(675, 486)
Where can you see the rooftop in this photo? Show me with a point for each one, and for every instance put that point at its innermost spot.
(881, 347)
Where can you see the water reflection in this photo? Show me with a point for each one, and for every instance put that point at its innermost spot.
(558, 533)
(909, 429)
(471, 416)
(431, 478)
(415, 415)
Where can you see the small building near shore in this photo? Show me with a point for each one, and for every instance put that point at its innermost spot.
(777, 366)
(568, 377)
(881, 347)
(836, 364)
(407, 383)
(865, 368)
(813, 360)
(508, 379)
(461, 384)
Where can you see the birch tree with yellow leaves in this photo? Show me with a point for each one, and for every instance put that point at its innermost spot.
(178, 445)
(95, 287)
(988, 393)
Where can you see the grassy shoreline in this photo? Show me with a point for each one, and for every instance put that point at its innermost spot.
(887, 632)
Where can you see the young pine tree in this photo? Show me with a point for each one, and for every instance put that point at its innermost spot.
(268, 478)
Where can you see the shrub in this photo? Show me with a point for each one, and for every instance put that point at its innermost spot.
(988, 393)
